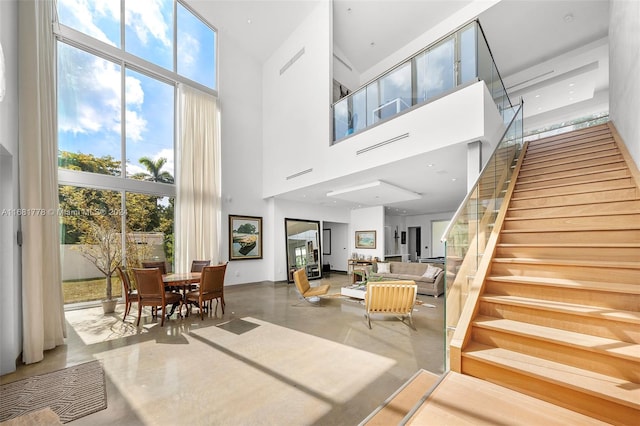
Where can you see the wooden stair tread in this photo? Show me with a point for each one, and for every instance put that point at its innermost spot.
(600, 385)
(569, 262)
(398, 405)
(569, 283)
(610, 347)
(594, 203)
(570, 308)
(586, 214)
(585, 227)
(569, 174)
(461, 399)
(572, 245)
(575, 192)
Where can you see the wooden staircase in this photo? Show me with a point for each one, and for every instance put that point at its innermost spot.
(558, 316)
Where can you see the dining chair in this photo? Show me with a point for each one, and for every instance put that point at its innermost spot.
(130, 295)
(151, 291)
(211, 287)
(197, 265)
(155, 264)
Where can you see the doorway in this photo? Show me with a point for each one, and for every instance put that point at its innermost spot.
(415, 243)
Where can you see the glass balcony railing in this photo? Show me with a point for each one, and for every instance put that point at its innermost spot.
(455, 60)
(468, 232)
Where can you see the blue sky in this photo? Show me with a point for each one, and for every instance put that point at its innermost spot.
(90, 87)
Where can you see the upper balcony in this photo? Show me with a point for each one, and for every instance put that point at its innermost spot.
(457, 59)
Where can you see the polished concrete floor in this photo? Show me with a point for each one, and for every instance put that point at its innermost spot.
(270, 359)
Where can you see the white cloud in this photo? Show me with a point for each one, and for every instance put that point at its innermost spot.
(168, 154)
(188, 50)
(145, 17)
(82, 12)
(92, 103)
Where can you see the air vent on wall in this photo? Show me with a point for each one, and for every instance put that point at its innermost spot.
(292, 61)
(295, 175)
(383, 143)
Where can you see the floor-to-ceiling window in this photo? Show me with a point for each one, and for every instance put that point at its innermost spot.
(118, 67)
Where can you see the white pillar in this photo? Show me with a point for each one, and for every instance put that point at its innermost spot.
(474, 162)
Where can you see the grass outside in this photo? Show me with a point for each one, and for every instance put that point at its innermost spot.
(90, 290)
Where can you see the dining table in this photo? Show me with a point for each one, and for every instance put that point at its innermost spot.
(182, 281)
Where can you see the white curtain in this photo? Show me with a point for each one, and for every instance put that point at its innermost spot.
(198, 217)
(42, 301)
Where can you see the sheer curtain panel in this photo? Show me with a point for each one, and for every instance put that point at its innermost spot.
(42, 302)
(198, 217)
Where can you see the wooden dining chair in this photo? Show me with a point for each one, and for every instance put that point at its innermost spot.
(155, 264)
(197, 265)
(130, 295)
(151, 291)
(211, 287)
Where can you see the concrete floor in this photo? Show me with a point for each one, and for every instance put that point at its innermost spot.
(270, 359)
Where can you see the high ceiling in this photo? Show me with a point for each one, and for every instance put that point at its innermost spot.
(553, 54)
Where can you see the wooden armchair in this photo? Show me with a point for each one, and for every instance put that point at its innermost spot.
(211, 287)
(391, 298)
(155, 264)
(197, 265)
(130, 295)
(305, 289)
(151, 291)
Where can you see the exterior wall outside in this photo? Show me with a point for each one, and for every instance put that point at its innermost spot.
(624, 69)
(10, 281)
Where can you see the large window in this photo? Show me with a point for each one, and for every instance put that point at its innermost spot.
(119, 63)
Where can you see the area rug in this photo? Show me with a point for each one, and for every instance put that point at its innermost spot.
(71, 393)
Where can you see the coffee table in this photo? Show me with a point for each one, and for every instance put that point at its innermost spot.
(357, 290)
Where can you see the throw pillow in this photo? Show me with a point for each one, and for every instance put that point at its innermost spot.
(431, 271)
(383, 268)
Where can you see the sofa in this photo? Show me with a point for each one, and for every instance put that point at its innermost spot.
(410, 271)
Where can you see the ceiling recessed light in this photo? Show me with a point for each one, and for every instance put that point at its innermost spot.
(249, 21)
(373, 43)
(539, 109)
(429, 165)
(571, 92)
(453, 179)
(568, 18)
(537, 96)
(571, 84)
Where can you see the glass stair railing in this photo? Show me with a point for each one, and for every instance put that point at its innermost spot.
(468, 233)
(456, 60)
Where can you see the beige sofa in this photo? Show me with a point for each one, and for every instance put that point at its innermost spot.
(411, 271)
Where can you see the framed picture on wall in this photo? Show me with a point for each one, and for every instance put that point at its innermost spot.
(365, 239)
(245, 237)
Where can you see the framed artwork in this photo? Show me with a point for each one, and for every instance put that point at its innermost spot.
(326, 241)
(366, 239)
(245, 237)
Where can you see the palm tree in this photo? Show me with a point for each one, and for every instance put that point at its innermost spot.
(154, 168)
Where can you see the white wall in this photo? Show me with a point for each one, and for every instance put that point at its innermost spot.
(430, 127)
(394, 246)
(296, 112)
(424, 222)
(241, 127)
(368, 219)
(10, 282)
(624, 69)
